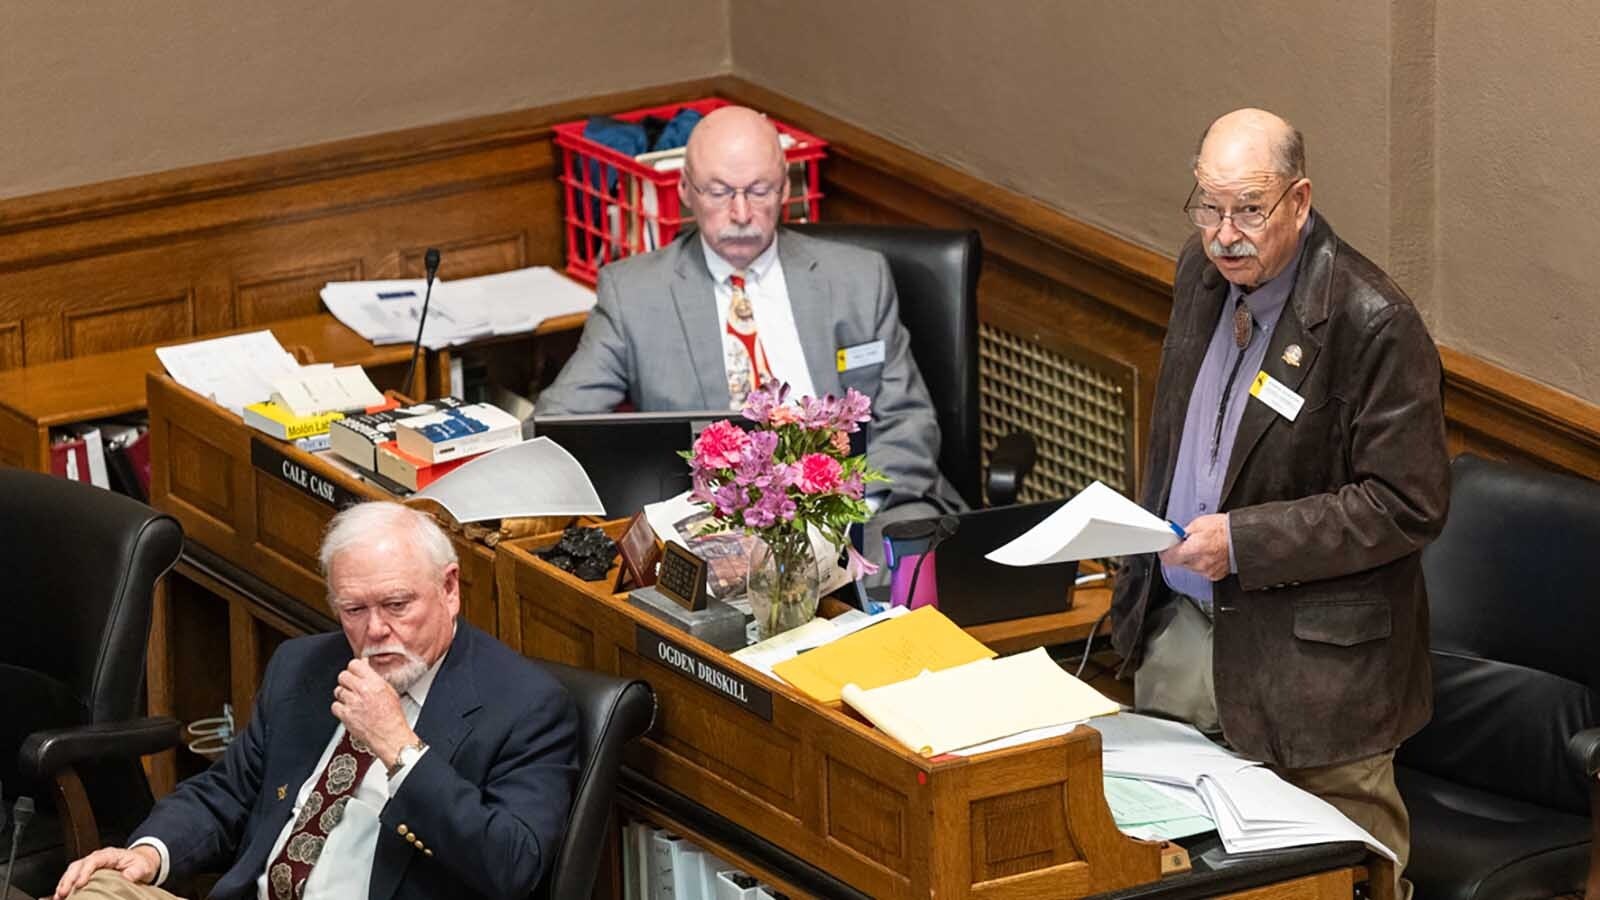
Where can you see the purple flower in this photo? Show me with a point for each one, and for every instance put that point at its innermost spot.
(729, 498)
(853, 487)
(817, 412)
(858, 565)
(759, 404)
(853, 410)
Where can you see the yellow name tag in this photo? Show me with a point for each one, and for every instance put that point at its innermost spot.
(1276, 395)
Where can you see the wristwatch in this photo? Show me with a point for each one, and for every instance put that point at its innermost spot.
(407, 756)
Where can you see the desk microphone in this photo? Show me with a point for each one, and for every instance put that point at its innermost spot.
(20, 814)
(431, 260)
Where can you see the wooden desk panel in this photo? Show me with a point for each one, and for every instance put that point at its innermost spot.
(1025, 822)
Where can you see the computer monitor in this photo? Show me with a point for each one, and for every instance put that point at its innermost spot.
(974, 591)
(632, 458)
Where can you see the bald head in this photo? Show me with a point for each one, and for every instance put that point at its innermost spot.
(1252, 197)
(1267, 138)
(734, 181)
(734, 133)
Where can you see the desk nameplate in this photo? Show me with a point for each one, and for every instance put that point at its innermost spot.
(691, 665)
(279, 465)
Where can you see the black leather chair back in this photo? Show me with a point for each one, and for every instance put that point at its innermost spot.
(936, 277)
(611, 712)
(81, 564)
(1511, 591)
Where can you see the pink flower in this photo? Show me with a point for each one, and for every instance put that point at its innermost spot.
(719, 445)
(819, 473)
(840, 442)
(859, 566)
(783, 415)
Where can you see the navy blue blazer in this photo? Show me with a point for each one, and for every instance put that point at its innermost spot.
(490, 797)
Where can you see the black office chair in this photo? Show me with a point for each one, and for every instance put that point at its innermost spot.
(612, 711)
(81, 565)
(935, 274)
(1501, 783)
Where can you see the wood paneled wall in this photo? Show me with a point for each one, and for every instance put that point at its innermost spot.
(248, 241)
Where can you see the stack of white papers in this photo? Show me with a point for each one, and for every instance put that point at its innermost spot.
(387, 312)
(235, 371)
(815, 633)
(1253, 808)
(1098, 522)
(533, 478)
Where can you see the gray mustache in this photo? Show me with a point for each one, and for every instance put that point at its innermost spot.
(1240, 248)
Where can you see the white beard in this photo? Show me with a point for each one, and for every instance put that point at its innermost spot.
(404, 676)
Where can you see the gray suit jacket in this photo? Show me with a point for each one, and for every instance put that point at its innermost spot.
(652, 340)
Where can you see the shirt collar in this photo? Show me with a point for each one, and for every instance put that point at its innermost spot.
(1267, 301)
(759, 267)
(418, 692)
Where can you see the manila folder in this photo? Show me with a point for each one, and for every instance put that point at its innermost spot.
(938, 712)
(923, 639)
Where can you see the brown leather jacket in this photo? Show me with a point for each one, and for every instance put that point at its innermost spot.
(1321, 639)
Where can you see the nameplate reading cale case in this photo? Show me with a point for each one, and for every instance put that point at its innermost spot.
(277, 464)
(682, 577)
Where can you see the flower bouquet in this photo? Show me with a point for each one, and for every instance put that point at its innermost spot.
(791, 472)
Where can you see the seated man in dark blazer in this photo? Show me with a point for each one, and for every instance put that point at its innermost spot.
(412, 756)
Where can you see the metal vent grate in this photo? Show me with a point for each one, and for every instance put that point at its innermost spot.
(1080, 413)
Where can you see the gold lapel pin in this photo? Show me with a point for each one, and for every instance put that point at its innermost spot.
(283, 791)
(1292, 354)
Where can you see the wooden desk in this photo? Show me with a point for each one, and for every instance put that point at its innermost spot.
(34, 399)
(1089, 603)
(818, 803)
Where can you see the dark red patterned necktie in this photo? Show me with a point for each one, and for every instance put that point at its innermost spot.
(323, 810)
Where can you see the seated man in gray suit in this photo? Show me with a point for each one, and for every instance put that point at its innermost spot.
(699, 323)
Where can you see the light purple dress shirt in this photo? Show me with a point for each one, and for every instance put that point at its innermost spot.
(1203, 461)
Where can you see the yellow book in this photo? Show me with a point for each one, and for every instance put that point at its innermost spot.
(921, 640)
(279, 422)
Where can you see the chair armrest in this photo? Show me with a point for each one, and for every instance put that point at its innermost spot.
(1009, 463)
(1583, 749)
(44, 753)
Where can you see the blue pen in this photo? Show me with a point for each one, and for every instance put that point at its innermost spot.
(1178, 530)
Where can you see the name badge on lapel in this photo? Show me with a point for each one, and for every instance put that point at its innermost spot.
(1276, 395)
(859, 356)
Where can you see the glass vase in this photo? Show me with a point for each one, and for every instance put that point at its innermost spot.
(783, 584)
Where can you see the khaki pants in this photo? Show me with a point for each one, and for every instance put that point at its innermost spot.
(1175, 681)
(107, 884)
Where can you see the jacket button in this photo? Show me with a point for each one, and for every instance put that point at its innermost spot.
(403, 830)
(428, 852)
(412, 838)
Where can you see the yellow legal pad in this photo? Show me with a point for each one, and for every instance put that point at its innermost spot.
(921, 640)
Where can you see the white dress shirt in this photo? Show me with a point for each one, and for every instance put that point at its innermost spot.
(344, 867)
(768, 293)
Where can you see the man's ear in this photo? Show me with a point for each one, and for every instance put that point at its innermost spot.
(1302, 202)
(452, 588)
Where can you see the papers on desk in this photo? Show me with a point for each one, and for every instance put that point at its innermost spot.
(923, 639)
(1152, 811)
(235, 371)
(937, 712)
(317, 389)
(813, 634)
(387, 312)
(1252, 807)
(533, 478)
(1098, 522)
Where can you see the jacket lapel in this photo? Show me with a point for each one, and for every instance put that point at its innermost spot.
(694, 296)
(444, 723)
(811, 301)
(1306, 309)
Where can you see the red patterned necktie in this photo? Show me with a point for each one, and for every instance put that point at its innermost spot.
(323, 810)
(745, 357)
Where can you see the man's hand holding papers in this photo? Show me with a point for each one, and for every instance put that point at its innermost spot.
(1098, 522)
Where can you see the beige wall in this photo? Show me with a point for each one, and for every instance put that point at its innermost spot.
(103, 90)
(1451, 142)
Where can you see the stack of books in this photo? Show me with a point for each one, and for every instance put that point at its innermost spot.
(405, 449)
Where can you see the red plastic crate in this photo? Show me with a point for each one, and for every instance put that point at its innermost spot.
(641, 211)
